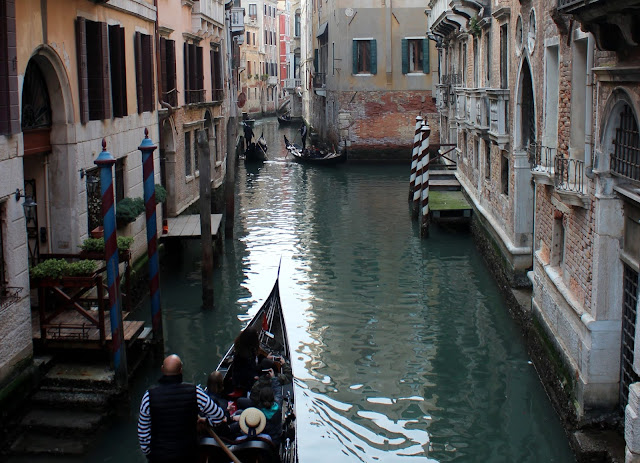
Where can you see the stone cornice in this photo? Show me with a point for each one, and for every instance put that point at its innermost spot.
(137, 8)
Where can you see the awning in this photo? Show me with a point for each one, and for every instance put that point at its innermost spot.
(322, 29)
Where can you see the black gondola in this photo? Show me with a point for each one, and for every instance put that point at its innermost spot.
(257, 151)
(285, 119)
(269, 322)
(313, 155)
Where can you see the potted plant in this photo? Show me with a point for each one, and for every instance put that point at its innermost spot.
(93, 248)
(128, 210)
(161, 194)
(54, 272)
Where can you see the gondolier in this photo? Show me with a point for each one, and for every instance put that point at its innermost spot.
(167, 426)
(303, 132)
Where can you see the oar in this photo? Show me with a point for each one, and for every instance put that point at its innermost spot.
(223, 445)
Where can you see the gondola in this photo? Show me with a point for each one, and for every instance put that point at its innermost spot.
(285, 119)
(269, 322)
(257, 151)
(314, 156)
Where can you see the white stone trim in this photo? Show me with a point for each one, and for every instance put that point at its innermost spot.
(137, 8)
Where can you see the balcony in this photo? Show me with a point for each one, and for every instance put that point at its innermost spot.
(569, 181)
(237, 20)
(541, 159)
(194, 96)
(272, 81)
(613, 23)
(319, 83)
(206, 12)
(499, 116)
(292, 84)
(478, 109)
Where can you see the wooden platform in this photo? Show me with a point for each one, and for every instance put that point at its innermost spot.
(188, 226)
(75, 331)
(448, 204)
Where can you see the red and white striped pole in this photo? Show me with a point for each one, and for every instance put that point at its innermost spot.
(414, 157)
(424, 201)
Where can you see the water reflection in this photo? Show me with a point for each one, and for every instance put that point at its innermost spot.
(403, 347)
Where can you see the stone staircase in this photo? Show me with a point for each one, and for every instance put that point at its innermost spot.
(64, 415)
(443, 179)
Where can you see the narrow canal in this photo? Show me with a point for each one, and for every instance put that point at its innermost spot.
(403, 348)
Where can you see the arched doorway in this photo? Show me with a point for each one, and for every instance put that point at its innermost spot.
(49, 158)
(526, 122)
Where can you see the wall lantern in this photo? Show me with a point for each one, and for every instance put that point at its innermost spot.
(29, 206)
(92, 184)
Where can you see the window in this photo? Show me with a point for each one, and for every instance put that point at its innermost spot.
(196, 160)
(476, 63)
(187, 154)
(193, 74)
(119, 179)
(365, 56)
(487, 59)
(118, 71)
(552, 97)
(557, 240)
(168, 71)
(476, 153)
(215, 143)
(504, 174)
(265, 10)
(487, 159)
(253, 10)
(216, 74)
(248, 38)
(3, 271)
(92, 45)
(253, 38)
(504, 43)
(296, 26)
(9, 107)
(249, 69)
(579, 91)
(144, 72)
(415, 55)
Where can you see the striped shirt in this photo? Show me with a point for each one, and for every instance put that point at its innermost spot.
(211, 411)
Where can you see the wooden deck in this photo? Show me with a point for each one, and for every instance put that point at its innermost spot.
(188, 226)
(449, 205)
(70, 328)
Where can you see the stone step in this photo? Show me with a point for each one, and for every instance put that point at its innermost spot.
(40, 444)
(444, 184)
(72, 399)
(70, 375)
(61, 421)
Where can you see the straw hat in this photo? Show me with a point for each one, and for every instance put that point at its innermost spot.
(252, 421)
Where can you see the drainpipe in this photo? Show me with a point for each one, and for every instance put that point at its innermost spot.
(588, 135)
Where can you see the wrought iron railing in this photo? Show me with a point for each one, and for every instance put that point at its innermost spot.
(194, 96)
(217, 94)
(541, 157)
(171, 97)
(9, 295)
(568, 3)
(569, 174)
(452, 79)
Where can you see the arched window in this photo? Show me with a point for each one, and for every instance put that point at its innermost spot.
(625, 157)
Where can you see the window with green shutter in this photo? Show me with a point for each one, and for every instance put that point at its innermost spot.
(365, 56)
(415, 55)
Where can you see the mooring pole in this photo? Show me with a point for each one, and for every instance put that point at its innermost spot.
(204, 164)
(417, 188)
(105, 162)
(414, 157)
(424, 202)
(147, 148)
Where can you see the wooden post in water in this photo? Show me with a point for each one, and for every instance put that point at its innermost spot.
(414, 157)
(105, 162)
(417, 189)
(204, 164)
(424, 201)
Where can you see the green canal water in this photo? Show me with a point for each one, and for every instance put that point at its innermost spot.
(403, 349)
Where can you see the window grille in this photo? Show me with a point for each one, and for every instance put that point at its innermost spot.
(629, 304)
(625, 159)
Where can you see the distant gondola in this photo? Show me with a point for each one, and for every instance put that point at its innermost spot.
(256, 151)
(314, 156)
(285, 119)
(269, 323)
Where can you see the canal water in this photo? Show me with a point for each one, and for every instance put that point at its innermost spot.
(403, 349)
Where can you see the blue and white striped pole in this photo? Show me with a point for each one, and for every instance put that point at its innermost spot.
(105, 162)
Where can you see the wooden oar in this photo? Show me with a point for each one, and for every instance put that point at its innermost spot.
(223, 445)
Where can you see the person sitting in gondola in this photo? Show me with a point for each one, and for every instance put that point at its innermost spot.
(245, 361)
(215, 390)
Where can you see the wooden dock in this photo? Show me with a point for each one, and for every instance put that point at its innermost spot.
(446, 200)
(188, 226)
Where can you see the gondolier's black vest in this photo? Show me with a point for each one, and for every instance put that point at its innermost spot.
(174, 414)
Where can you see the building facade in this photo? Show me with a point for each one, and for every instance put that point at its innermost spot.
(192, 45)
(371, 75)
(71, 76)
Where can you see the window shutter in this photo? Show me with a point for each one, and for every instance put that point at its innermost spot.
(374, 56)
(425, 56)
(10, 121)
(355, 57)
(138, 52)
(83, 78)
(405, 56)
(186, 72)
(315, 60)
(148, 58)
(105, 74)
(200, 73)
(171, 70)
(163, 70)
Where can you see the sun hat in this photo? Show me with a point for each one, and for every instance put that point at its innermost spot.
(252, 421)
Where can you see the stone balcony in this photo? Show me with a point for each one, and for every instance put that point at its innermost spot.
(292, 84)
(472, 109)
(499, 116)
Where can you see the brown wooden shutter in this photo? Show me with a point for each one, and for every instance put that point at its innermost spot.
(186, 74)
(83, 77)
(200, 73)
(105, 95)
(163, 70)
(148, 74)
(137, 43)
(9, 97)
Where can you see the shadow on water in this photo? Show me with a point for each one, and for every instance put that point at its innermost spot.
(404, 349)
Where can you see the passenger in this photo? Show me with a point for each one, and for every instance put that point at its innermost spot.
(245, 361)
(215, 390)
(270, 403)
(251, 422)
(268, 369)
(168, 421)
